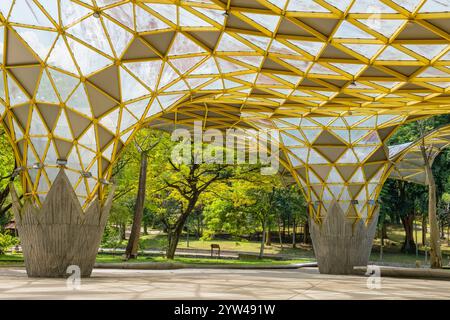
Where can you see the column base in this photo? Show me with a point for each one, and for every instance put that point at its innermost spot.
(340, 243)
(60, 234)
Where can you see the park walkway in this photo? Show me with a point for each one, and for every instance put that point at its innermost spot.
(217, 284)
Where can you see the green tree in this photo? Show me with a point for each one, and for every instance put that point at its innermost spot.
(262, 210)
(188, 183)
(7, 165)
(412, 132)
(120, 216)
(224, 215)
(290, 206)
(398, 200)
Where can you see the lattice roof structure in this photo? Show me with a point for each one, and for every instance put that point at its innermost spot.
(334, 159)
(80, 77)
(409, 163)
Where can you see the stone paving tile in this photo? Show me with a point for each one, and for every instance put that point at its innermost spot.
(217, 284)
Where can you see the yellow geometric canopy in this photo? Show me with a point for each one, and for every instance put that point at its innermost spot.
(79, 77)
(338, 159)
(408, 158)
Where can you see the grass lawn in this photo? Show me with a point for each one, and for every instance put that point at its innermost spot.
(158, 241)
(396, 236)
(12, 259)
(246, 246)
(391, 250)
(17, 260)
(110, 259)
(388, 257)
(402, 259)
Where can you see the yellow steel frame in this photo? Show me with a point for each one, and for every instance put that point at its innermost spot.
(408, 161)
(329, 174)
(262, 59)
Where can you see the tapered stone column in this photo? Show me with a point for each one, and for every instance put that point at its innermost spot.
(60, 233)
(341, 244)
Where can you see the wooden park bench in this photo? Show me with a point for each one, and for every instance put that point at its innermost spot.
(215, 246)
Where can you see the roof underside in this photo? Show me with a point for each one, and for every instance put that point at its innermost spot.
(79, 77)
(267, 57)
(408, 158)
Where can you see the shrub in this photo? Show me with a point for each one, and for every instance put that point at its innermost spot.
(207, 235)
(7, 241)
(111, 238)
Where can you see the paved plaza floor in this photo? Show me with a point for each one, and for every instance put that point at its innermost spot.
(217, 284)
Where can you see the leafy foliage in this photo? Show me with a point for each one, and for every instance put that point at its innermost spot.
(7, 241)
(6, 169)
(6, 159)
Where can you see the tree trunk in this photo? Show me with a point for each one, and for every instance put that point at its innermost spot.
(145, 228)
(448, 235)
(288, 227)
(424, 230)
(409, 245)
(384, 231)
(268, 238)
(279, 234)
(123, 228)
(174, 238)
(293, 234)
(174, 235)
(3, 196)
(435, 249)
(187, 236)
(263, 240)
(133, 243)
(306, 239)
(200, 228)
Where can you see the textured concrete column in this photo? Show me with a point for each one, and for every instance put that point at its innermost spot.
(60, 234)
(341, 244)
